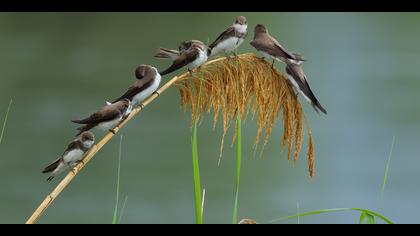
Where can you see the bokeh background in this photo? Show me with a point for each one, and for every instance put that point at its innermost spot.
(59, 66)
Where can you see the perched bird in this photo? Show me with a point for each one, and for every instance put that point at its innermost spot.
(73, 155)
(298, 79)
(231, 38)
(107, 117)
(270, 47)
(192, 54)
(148, 80)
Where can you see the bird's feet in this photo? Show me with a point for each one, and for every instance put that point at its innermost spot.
(190, 71)
(272, 64)
(235, 55)
(112, 131)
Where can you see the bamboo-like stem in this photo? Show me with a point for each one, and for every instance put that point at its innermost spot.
(92, 152)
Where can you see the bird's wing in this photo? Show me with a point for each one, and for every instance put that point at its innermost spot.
(140, 85)
(105, 114)
(51, 167)
(229, 32)
(299, 76)
(297, 73)
(279, 50)
(73, 145)
(183, 60)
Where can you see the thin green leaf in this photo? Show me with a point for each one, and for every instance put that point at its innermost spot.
(385, 219)
(386, 173)
(370, 219)
(5, 120)
(114, 218)
(122, 209)
(238, 168)
(196, 170)
(197, 184)
(298, 212)
(362, 217)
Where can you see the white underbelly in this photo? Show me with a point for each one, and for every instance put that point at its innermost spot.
(266, 55)
(73, 156)
(202, 58)
(228, 45)
(109, 124)
(140, 97)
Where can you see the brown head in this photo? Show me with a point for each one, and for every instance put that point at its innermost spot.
(144, 71)
(260, 29)
(87, 138)
(241, 20)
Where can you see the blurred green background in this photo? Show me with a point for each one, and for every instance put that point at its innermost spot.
(363, 67)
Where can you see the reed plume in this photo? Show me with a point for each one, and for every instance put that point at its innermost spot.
(248, 85)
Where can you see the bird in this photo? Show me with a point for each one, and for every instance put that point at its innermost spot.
(107, 117)
(269, 47)
(148, 80)
(72, 155)
(192, 54)
(299, 81)
(231, 38)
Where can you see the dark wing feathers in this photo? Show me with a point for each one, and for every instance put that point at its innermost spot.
(139, 86)
(299, 76)
(51, 167)
(183, 60)
(278, 49)
(103, 115)
(229, 32)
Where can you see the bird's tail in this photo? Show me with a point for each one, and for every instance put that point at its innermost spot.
(167, 53)
(318, 107)
(51, 167)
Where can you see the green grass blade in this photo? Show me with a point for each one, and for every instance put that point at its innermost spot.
(362, 217)
(203, 200)
(386, 173)
(298, 212)
(5, 120)
(370, 219)
(122, 209)
(114, 218)
(385, 219)
(238, 168)
(197, 184)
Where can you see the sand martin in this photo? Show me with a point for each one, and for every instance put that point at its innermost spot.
(231, 38)
(72, 155)
(298, 79)
(107, 117)
(269, 47)
(192, 54)
(148, 80)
